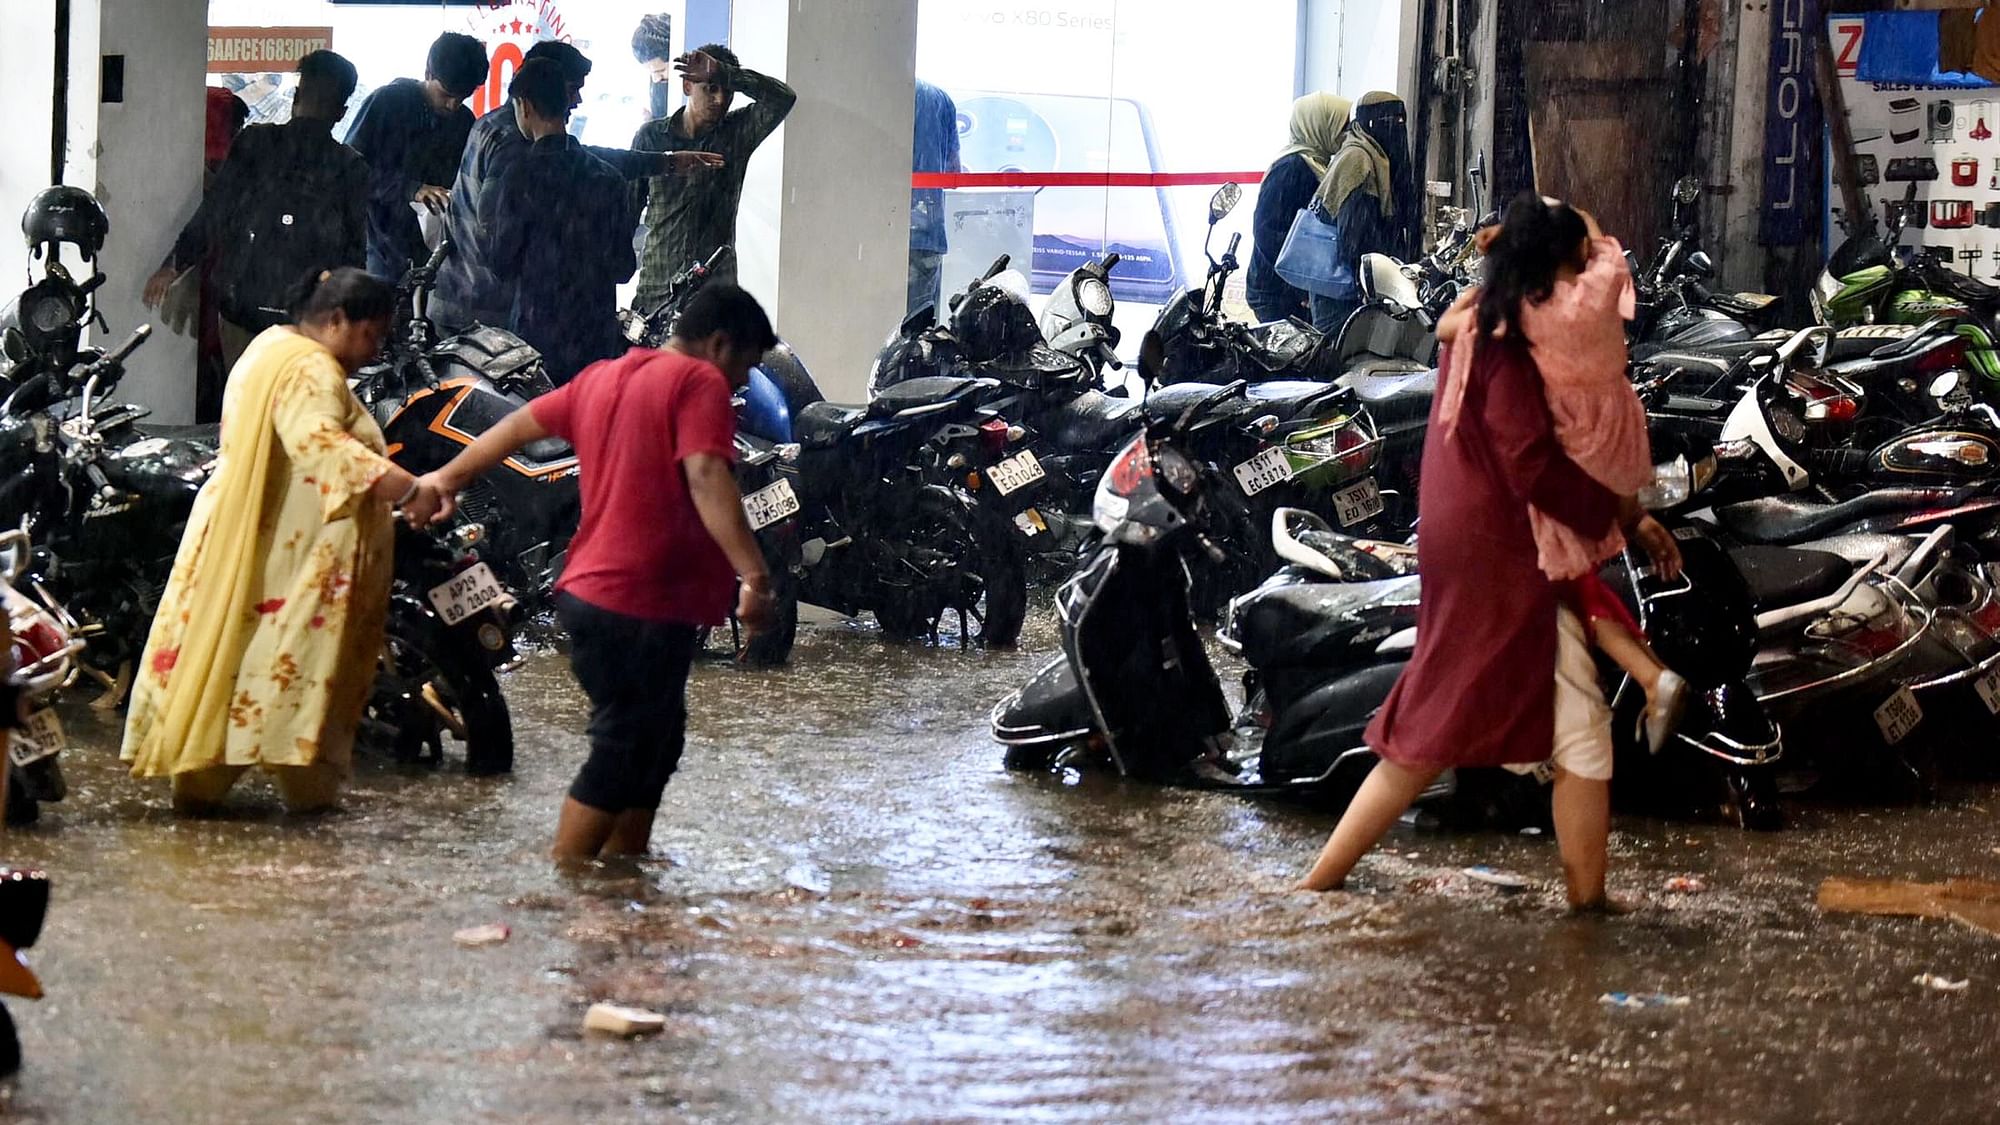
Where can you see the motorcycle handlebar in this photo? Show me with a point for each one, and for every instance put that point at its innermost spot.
(119, 354)
(1109, 263)
(999, 265)
(1235, 240)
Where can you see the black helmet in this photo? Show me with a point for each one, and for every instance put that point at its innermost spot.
(991, 323)
(65, 214)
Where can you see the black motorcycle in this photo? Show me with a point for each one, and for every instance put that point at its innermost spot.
(449, 631)
(882, 534)
(434, 397)
(1201, 346)
(105, 501)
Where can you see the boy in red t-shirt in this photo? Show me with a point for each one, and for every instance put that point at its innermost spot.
(661, 545)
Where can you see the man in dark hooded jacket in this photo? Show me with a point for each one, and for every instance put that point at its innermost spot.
(468, 290)
(412, 134)
(561, 232)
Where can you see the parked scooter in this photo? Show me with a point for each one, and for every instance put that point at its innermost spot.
(42, 662)
(1135, 683)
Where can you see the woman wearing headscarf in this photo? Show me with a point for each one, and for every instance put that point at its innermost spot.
(1369, 192)
(1317, 120)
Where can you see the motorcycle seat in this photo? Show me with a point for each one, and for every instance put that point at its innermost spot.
(1093, 420)
(821, 425)
(1785, 520)
(1382, 331)
(1971, 290)
(1291, 399)
(1166, 404)
(928, 390)
(1322, 623)
(1783, 576)
(207, 432)
(1395, 400)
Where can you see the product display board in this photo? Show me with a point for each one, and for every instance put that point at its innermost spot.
(1942, 140)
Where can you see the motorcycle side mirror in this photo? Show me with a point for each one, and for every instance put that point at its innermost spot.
(1223, 202)
(1687, 190)
(1152, 359)
(1701, 264)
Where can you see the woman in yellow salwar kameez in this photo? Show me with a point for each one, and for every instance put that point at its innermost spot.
(270, 630)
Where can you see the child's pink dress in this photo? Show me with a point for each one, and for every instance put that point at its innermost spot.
(1577, 338)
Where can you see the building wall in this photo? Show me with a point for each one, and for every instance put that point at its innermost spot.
(140, 157)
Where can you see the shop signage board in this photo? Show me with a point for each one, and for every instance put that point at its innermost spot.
(245, 50)
(1792, 127)
(1945, 139)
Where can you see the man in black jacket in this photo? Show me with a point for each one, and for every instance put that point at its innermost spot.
(412, 134)
(468, 291)
(560, 232)
(288, 199)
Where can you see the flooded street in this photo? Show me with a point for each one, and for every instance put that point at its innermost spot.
(859, 915)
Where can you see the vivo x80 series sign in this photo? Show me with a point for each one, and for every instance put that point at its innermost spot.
(1792, 125)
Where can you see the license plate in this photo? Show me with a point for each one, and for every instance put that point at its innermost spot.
(1016, 472)
(1266, 470)
(770, 504)
(1358, 502)
(1031, 523)
(43, 737)
(1899, 716)
(470, 591)
(1988, 687)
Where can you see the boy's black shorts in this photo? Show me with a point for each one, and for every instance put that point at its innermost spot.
(635, 673)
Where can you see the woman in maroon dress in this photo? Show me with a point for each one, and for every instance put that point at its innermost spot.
(1485, 686)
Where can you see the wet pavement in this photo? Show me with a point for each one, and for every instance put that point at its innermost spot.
(859, 915)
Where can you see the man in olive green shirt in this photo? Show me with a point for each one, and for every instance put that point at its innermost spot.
(689, 217)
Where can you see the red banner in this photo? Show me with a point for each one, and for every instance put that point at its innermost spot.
(1079, 179)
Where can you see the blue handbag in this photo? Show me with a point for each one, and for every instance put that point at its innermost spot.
(1312, 259)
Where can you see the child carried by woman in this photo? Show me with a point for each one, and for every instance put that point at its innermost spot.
(1575, 331)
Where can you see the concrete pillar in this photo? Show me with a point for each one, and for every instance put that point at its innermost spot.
(27, 84)
(140, 155)
(826, 227)
(148, 158)
(1734, 245)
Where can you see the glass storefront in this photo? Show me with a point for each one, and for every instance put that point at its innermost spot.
(387, 41)
(1148, 88)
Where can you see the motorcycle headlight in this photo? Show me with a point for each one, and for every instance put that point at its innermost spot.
(1672, 484)
(1095, 296)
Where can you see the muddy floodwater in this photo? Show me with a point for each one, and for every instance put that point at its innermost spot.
(858, 915)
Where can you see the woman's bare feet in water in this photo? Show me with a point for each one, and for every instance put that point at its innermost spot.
(1600, 908)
